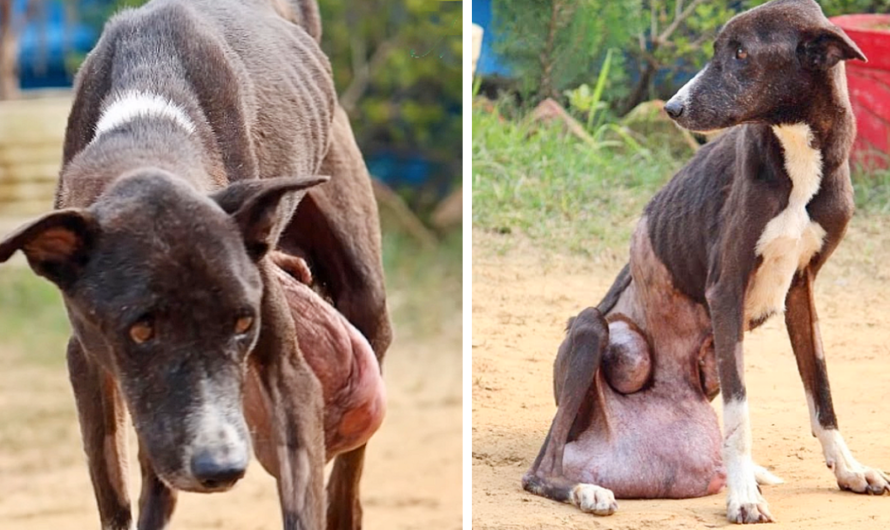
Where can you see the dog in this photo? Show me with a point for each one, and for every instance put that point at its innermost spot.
(196, 129)
(738, 235)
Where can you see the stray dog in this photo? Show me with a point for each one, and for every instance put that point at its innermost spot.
(196, 128)
(738, 235)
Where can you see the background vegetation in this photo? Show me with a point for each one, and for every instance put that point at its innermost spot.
(556, 45)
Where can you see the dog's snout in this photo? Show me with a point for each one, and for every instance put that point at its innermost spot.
(674, 108)
(217, 469)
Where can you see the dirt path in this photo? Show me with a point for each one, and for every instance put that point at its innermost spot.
(412, 474)
(521, 299)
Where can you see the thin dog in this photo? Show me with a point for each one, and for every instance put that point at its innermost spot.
(196, 128)
(738, 235)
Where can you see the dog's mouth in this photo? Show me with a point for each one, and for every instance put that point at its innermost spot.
(184, 482)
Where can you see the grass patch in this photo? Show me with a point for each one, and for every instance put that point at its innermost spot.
(872, 190)
(563, 194)
(556, 189)
(424, 286)
(33, 323)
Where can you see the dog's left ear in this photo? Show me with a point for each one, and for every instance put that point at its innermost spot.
(823, 48)
(262, 208)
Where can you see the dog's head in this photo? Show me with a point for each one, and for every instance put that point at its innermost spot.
(769, 65)
(163, 289)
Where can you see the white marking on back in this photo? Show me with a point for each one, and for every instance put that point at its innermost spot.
(790, 239)
(133, 105)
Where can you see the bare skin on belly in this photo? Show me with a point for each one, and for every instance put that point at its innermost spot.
(340, 357)
(652, 433)
(644, 428)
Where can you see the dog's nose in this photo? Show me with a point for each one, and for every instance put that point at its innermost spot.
(674, 108)
(216, 471)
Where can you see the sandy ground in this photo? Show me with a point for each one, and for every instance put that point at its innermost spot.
(412, 476)
(521, 299)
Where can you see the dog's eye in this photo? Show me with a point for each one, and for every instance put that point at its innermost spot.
(741, 54)
(142, 331)
(243, 324)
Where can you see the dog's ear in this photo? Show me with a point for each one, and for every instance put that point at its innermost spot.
(262, 208)
(57, 245)
(824, 48)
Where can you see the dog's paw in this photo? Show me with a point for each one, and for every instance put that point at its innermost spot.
(748, 513)
(765, 478)
(745, 505)
(594, 499)
(862, 479)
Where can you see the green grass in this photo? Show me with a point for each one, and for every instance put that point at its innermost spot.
(563, 194)
(423, 287)
(33, 323)
(872, 190)
(556, 189)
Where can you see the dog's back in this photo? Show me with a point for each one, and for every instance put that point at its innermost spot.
(256, 86)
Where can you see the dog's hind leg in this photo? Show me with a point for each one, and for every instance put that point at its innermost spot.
(803, 329)
(579, 357)
(157, 500)
(102, 416)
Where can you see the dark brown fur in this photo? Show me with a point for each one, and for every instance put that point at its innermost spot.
(161, 226)
(694, 259)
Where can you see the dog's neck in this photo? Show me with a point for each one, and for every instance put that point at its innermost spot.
(830, 119)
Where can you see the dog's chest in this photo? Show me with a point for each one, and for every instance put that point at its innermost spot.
(791, 239)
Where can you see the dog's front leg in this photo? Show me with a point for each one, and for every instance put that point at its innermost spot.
(297, 411)
(803, 329)
(102, 424)
(157, 500)
(744, 503)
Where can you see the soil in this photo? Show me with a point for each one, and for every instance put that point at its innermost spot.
(522, 297)
(412, 476)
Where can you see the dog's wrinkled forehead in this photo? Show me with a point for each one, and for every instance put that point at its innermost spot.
(161, 235)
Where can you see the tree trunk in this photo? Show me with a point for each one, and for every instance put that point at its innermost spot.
(640, 91)
(547, 88)
(9, 49)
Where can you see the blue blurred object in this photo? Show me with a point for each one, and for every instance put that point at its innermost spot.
(489, 64)
(51, 39)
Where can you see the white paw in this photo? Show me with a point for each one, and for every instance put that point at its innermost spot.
(748, 513)
(765, 478)
(745, 505)
(594, 499)
(851, 475)
(862, 479)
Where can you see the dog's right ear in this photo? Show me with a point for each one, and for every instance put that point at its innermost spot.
(262, 207)
(57, 245)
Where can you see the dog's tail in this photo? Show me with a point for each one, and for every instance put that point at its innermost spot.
(618, 287)
(608, 302)
(303, 13)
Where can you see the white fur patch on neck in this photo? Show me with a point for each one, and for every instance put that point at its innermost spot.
(133, 105)
(790, 239)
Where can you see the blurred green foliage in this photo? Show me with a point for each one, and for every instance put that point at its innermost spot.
(553, 45)
(397, 68)
(659, 40)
